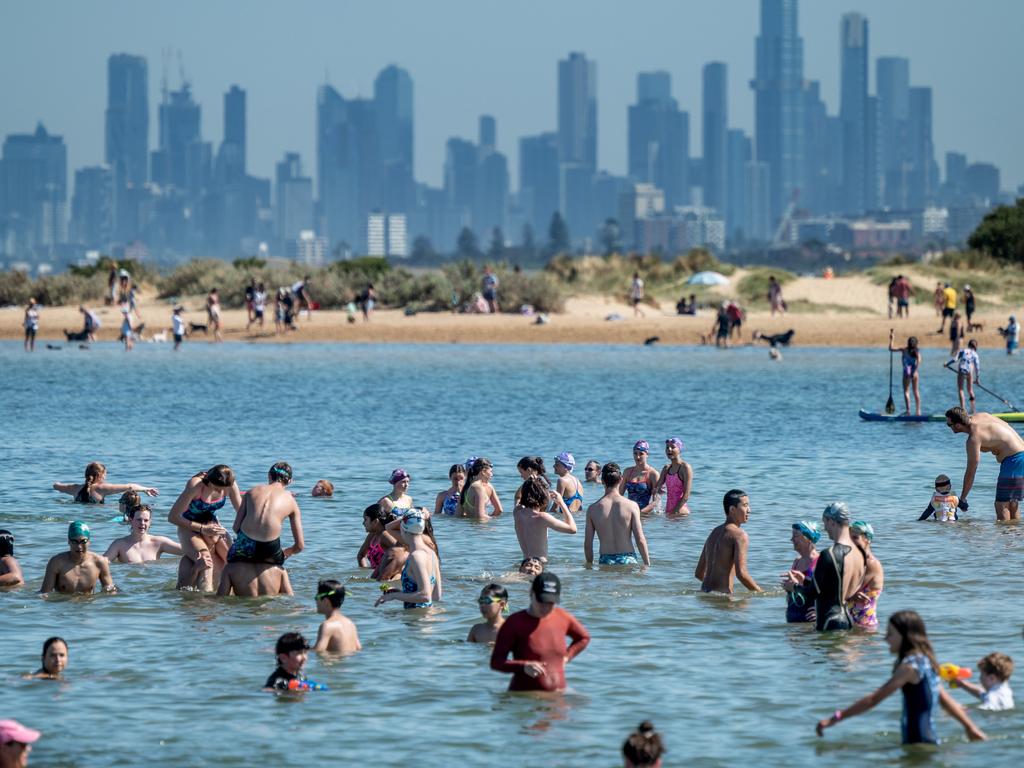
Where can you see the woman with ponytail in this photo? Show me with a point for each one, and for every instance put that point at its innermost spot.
(478, 492)
(95, 489)
(203, 539)
(643, 748)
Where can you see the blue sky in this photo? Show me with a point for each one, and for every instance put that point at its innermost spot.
(469, 57)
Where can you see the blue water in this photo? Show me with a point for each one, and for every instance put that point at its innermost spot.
(173, 679)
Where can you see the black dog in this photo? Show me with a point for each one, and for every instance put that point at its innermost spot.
(196, 328)
(651, 341)
(76, 335)
(775, 339)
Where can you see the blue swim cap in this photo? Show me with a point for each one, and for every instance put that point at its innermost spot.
(864, 529)
(809, 530)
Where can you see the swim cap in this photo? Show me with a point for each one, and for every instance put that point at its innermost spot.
(642, 445)
(399, 475)
(864, 529)
(79, 530)
(676, 442)
(413, 521)
(566, 459)
(809, 530)
(470, 462)
(838, 512)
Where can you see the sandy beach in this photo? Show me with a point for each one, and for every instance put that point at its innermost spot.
(843, 312)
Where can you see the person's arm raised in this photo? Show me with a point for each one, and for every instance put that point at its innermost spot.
(69, 488)
(109, 489)
(567, 524)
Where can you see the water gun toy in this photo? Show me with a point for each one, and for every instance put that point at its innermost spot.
(305, 685)
(951, 673)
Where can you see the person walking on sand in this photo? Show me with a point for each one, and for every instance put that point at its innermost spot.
(31, 325)
(987, 434)
(775, 296)
(910, 357)
(948, 305)
(489, 287)
(636, 295)
(213, 313)
(969, 307)
(616, 522)
(902, 291)
(939, 300)
(892, 295)
(725, 551)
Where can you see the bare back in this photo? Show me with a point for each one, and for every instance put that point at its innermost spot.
(264, 510)
(254, 580)
(719, 556)
(995, 436)
(612, 517)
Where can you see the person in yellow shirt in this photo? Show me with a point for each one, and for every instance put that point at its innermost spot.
(949, 305)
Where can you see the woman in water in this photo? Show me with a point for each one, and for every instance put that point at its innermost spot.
(323, 488)
(916, 673)
(532, 519)
(213, 313)
(398, 501)
(139, 546)
(911, 360)
(31, 325)
(421, 574)
(643, 748)
(10, 571)
(568, 487)
(55, 660)
(799, 604)
(530, 466)
(447, 501)
(96, 488)
(478, 492)
(378, 541)
(203, 539)
(640, 480)
(863, 606)
(676, 479)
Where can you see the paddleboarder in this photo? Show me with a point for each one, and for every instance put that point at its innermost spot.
(987, 434)
(911, 359)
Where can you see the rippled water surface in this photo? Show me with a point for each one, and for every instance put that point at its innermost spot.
(166, 678)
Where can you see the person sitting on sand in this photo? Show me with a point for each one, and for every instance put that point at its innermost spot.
(725, 551)
(675, 480)
(478, 492)
(532, 520)
(10, 571)
(943, 505)
(337, 633)
(204, 540)
(78, 569)
(139, 546)
(911, 359)
(447, 501)
(616, 522)
(54, 660)
(987, 434)
(800, 607)
(493, 603)
(95, 489)
(258, 521)
(323, 488)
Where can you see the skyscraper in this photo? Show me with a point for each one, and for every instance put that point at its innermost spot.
(577, 110)
(778, 91)
(488, 133)
(853, 99)
(738, 155)
(892, 84)
(539, 180)
(393, 99)
(92, 207)
(127, 118)
(659, 139)
(294, 200)
(920, 149)
(179, 118)
(33, 188)
(716, 125)
(653, 86)
(232, 150)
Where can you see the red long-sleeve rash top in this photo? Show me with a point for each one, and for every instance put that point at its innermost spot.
(531, 639)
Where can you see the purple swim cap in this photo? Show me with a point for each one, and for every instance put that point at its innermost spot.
(676, 442)
(642, 445)
(399, 475)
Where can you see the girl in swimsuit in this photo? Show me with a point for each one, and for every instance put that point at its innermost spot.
(378, 541)
(204, 540)
(639, 481)
(916, 673)
(398, 501)
(95, 489)
(421, 574)
(564, 463)
(447, 501)
(799, 605)
(478, 492)
(676, 479)
(213, 313)
(530, 466)
(910, 356)
(863, 606)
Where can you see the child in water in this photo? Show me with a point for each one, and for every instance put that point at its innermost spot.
(291, 651)
(337, 633)
(943, 506)
(994, 691)
(493, 603)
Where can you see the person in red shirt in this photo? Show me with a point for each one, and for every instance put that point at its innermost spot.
(536, 639)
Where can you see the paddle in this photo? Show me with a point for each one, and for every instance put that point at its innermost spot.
(1003, 400)
(890, 406)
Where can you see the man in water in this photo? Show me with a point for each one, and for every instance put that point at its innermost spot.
(838, 573)
(725, 552)
(258, 522)
(253, 580)
(78, 569)
(536, 639)
(616, 521)
(987, 434)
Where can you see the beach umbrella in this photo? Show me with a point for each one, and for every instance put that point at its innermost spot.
(708, 278)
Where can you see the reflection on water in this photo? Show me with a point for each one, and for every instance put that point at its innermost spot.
(173, 678)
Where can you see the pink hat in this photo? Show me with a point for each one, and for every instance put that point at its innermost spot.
(12, 730)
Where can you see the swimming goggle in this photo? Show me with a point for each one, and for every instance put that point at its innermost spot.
(491, 600)
(322, 595)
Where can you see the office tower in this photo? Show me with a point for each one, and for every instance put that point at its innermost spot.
(778, 85)
(983, 182)
(491, 201)
(815, 197)
(659, 140)
(853, 99)
(294, 202)
(956, 170)
(92, 207)
(179, 118)
(127, 118)
(231, 160)
(834, 150)
(920, 149)
(738, 154)
(460, 173)
(333, 194)
(874, 177)
(577, 111)
(715, 127)
(33, 189)
(576, 202)
(892, 85)
(488, 133)
(392, 96)
(757, 225)
(539, 180)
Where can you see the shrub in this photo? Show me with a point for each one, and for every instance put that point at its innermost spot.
(753, 287)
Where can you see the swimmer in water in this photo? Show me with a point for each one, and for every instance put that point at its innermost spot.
(640, 480)
(378, 540)
(568, 487)
(676, 479)
(643, 748)
(863, 606)
(478, 492)
(243, 579)
(916, 673)
(531, 566)
(531, 466)
(725, 551)
(399, 500)
(592, 472)
(10, 571)
(616, 522)
(129, 500)
(291, 650)
(838, 573)
(54, 660)
(204, 540)
(532, 520)
(447, 501)
(323, 488)
(493, 603)
(258, 523)
(421, 574)
(395, 557)
(337, 632)
(139, 546)
(77, 570)
(95, 489)
(800, 608)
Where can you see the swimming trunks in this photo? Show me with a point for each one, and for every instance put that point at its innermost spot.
(800, 605)
(638, 492)
(865, 615)
(919, 702)
(623, 558)
(675, 489)
(830, 609)
(1010, 485)
(246, 550)
(203, 512)
(450, 505)
(410, 586)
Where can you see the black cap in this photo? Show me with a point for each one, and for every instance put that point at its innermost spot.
(546, 588)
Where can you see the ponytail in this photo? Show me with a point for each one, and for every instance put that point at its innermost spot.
(644, 746)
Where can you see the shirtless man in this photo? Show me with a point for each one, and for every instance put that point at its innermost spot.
(985, 433)
(78, 569)
(616, 521)
(337, 632)
(139, 546)
(253, 580)
(260, 517)
(532, 519)
(725, 552)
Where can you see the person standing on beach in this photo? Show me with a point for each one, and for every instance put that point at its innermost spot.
(303, 301)
(90, 323)
(910, 358)
(948, 305)
(78, 569)
(902, 292)
(892, 295)
(775, 296)
(616, 521)
(489, 286)
(213, 313)
(177, 326)
(636, 295)
(725, 551)
(987, 434)
(722, 326)
(939, 300)
(31, 325)
(968, 372)
(969, 307)
(250, 295)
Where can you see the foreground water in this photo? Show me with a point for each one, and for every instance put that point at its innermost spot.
(173, 679)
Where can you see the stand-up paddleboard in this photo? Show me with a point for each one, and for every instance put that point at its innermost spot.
(1013, 416)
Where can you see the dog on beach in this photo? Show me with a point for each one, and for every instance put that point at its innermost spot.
(651, 341)
(197, 328)
(76, 335)
(159, 337)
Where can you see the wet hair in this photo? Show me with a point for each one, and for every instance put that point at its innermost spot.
(611, 474)
(335, 589)
(280, 473)
(290, 641)
(6, 543)
(732, 499)
(643, 747)
(527, 560)
(479, 465)
(93, 472)
(377, 513)
(958, 415)
(998, 664)
(46, 646)
(534, 464)
(456, 469)
(533, 493)
(327, 485)
(220, 475)
(913, 637)
(135, 510)
(496, 590)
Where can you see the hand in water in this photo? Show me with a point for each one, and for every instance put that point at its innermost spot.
(821, 726)
(534, 669)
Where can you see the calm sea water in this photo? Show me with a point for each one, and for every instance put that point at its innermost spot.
(173, 679)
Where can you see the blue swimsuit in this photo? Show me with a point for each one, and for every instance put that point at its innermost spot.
(450, 505)
(638, 492)
(920, 701)
(409, 586)
(203, 512)
(577, 496)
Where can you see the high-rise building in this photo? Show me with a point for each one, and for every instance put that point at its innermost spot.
(778, 92)
(923, 180)
(756, 201)
(294, 199)
(659, 140)
(715, 128)
(92, 207)
(460, 174)
(956, 171)
(738, 155)
(33, 189)
(393, 99)
(491, 203)
(892, 84)
(817, 182)
(488, 133)
(179, 121)
(127, 118)
(231, 160)
(653, 86)
(853, 101)
(983, 182)
(577, 111)
(539, 180)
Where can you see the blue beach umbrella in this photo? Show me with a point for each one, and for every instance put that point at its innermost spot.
(708, 278)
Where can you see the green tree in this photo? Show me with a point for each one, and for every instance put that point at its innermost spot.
(497, 246)
(467, 246)
(611, 237)
(1001, 233)
(558, 235)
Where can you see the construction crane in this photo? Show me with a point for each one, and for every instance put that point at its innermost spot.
(781, 238)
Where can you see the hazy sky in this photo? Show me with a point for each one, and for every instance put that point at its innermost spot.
(469, 57)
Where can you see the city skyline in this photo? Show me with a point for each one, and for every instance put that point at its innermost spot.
(281, 84)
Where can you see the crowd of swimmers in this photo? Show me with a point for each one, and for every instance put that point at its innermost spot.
(836, 588)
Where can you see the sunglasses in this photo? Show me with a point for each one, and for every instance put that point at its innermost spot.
(591, 469)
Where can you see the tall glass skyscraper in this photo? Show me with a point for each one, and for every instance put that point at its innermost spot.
(577, 110)
(716, 124)
(853, 100)
(127, 118)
